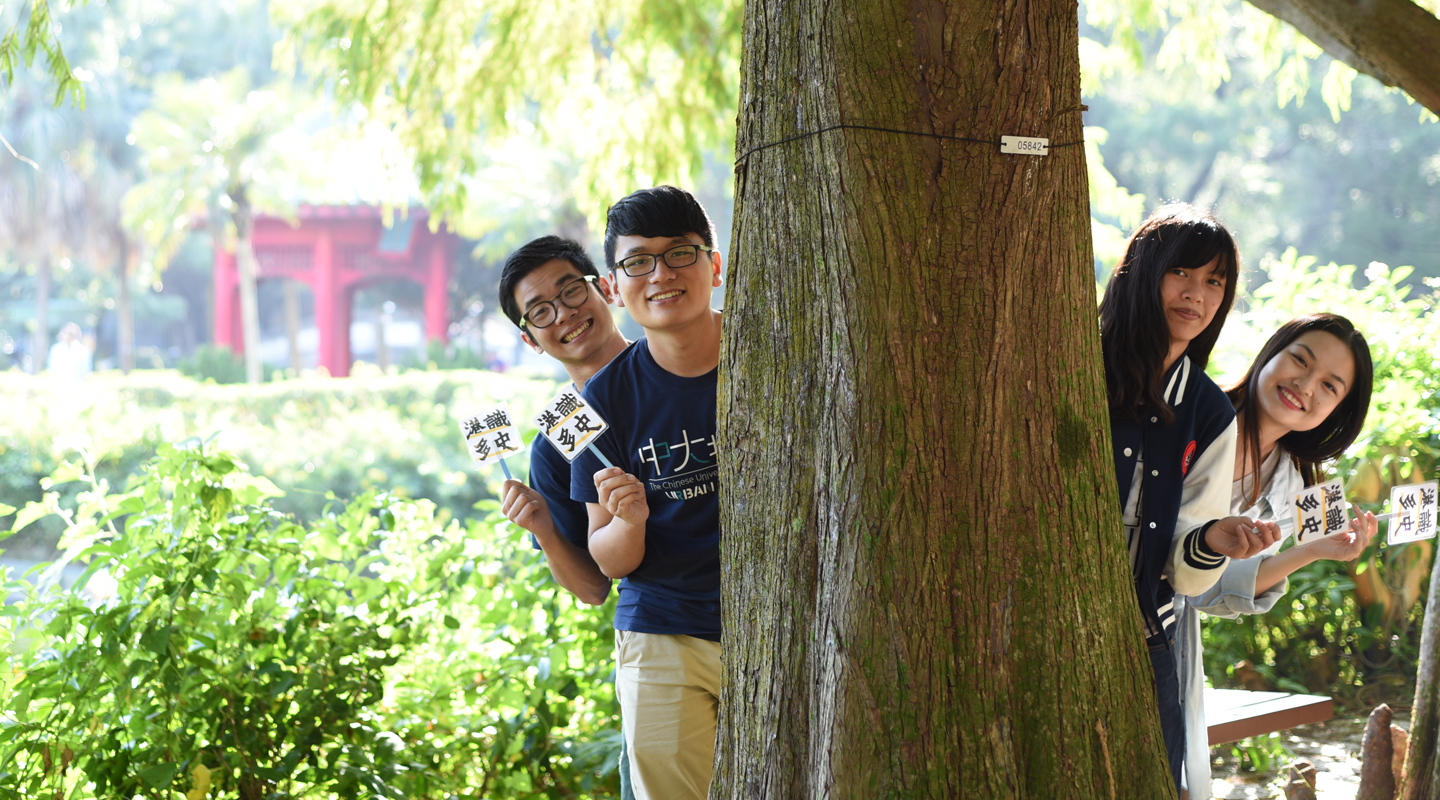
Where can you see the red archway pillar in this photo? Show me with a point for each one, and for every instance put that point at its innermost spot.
(437, 281)
(328, 320)
(227, 284)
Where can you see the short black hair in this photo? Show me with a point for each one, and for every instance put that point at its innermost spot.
(532, 256)
(657, 211)
(1134, 334)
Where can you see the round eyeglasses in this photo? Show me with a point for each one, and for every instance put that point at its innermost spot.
(544, 313)
(674, 258)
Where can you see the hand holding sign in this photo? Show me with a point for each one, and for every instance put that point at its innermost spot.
(623, 495)
(1241, 537)
(572, 425)
(1412, 513)
(490, 436)
(1320, 512)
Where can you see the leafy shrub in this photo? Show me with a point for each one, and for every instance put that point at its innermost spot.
(318, 437)
(237, 654)
(212, 362)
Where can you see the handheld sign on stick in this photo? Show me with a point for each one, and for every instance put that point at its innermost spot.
(572, 426)
(1320, 512)
(490, 436)
(1412, 513)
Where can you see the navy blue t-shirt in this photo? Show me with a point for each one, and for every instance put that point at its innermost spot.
(550, 476)
(662, 431)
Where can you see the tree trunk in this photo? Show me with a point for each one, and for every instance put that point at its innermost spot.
(1377, 757)
(382, 350)
(927, 591)
(1421, 780)
(125, 312)
(292, 323)
(1393, 41)
(41, 339)
(249, 305)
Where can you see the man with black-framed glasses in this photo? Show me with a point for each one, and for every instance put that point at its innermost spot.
(655, 516)
(551, 290)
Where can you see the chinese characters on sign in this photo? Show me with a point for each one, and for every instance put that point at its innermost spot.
(491, 435)
(570, 424)
(1414, 510)
(1320, 512)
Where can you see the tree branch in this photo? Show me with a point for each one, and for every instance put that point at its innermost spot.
(1394, 41)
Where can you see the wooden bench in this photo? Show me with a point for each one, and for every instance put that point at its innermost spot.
(1233, 714)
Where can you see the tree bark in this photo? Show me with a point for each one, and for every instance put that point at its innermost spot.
(1394, 41)
(124, 312)
(41, 338)
(244, 218)
(1421, 780)
(926, 586)
(292, 323)
(1377, 756)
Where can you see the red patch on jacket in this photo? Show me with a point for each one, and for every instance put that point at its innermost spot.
(1189, 456)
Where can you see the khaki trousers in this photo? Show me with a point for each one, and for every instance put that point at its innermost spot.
(669, 688)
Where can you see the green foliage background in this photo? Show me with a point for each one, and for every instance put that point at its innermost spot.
(233, 652)
(317, 437)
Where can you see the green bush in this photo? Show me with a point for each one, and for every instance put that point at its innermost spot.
(212, 362)
(318, 437)
(234, 653)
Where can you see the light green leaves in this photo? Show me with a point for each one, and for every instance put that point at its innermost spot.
(635, 91)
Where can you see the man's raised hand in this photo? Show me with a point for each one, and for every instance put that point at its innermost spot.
(526, 507)
(623, 495)
(1241, 537)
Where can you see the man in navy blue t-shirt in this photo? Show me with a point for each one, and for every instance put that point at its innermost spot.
(552, 291)
(654, 517)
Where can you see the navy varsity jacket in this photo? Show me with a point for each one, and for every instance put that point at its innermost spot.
(1188, 466)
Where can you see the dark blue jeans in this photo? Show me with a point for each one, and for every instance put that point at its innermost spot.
(1172, 716)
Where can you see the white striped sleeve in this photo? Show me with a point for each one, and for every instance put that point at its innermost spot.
(1193, 567)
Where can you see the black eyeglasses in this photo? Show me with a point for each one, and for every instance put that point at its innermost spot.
(674, 258)
(544, 313)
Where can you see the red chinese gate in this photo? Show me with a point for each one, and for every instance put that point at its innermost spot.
(336, 250)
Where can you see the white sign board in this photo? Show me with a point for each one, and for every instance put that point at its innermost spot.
(1414, 510)
(491, 435)
(1025, 145)
(570, 424)
(1320, 512)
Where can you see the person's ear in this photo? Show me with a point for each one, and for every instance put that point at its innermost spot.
(717, 279)
(615, 290)
(607, 291)
(525, 337)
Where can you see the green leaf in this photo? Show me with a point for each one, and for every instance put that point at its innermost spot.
(34, 511)
(159, 776)
(6, 510)
(325, 545)
(156, 640)
(451, 622)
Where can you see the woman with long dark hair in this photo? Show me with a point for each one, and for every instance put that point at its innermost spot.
(1172, 429)
(1301, 404)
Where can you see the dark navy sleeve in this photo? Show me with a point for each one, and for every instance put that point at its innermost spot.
(550, 476)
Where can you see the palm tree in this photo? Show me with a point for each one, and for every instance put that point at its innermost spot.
(220, 150)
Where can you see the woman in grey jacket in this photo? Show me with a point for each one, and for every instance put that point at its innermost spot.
(1301, 403)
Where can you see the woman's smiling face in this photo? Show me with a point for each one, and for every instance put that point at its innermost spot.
(1303, 383)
